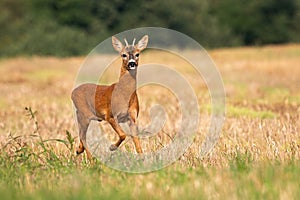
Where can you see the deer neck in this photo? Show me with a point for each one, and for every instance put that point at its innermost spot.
(127, 80)
(125, 87)
(122, 93)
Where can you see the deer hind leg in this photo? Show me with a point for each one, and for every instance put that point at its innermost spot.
(80, 148)
(119, 131)
(83, 123)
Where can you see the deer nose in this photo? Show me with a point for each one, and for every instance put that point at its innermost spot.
(132, 64)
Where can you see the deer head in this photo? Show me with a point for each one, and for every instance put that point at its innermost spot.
(130, 53)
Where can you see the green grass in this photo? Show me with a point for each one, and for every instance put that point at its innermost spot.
(238, 111)
(44, 75)
(63, 179)
(3, 103)
(234, 111)
(294, 99)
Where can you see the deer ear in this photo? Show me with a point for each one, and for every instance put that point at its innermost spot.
(116, 44)
(142, 44)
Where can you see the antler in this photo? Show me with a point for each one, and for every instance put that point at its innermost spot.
(133, 42)
(126, 42)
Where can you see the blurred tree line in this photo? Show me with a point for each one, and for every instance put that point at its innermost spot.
(74, 27)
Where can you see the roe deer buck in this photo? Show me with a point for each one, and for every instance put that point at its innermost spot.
(117, 103)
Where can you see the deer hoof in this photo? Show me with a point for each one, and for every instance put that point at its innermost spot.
(79, 150)
(113, 147)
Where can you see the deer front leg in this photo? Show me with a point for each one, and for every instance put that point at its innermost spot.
(114, 124)
(134, 131)
(136, 141)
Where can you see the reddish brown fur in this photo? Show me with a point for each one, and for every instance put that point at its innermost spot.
(94, 102)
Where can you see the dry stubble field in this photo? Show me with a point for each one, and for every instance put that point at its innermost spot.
(257, 155)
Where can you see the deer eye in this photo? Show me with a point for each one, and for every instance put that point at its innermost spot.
(137, 55)
(124, 55)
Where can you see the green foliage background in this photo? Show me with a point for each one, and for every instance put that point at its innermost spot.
(74, 27)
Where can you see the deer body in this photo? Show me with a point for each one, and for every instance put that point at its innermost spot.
(117, 103)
